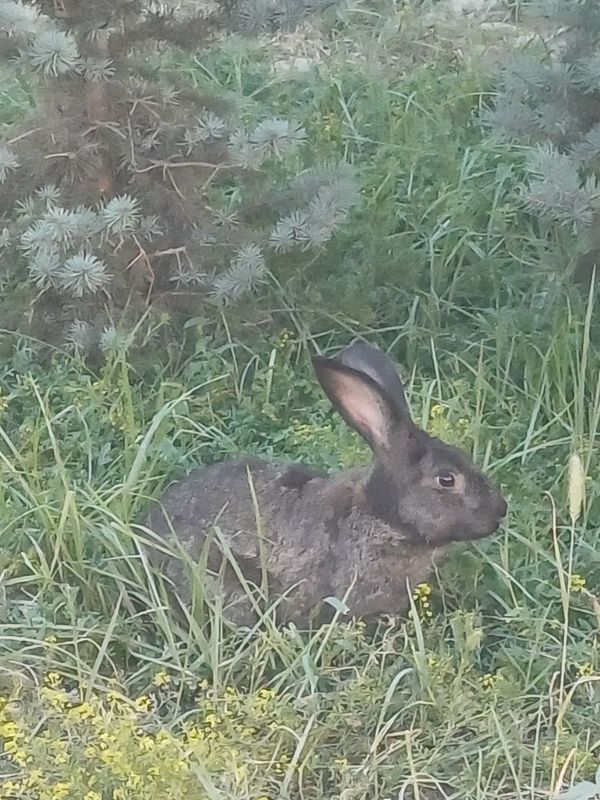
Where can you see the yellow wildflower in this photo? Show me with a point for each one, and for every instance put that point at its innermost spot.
(422, 591)
(487, 680)
(58, 791)
(577, 583)
(143, 703)
(83, 711)
(161, 679)
(13, 788)
(284, 339)
(437, 411)
(8, 730)
(585, 669)
(53, 679)
(146, 743)
(195, 734)
(54, 696)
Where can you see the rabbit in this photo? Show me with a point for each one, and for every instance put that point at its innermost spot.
(382, 527)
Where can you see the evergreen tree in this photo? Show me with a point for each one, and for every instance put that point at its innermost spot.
(125, 188)
(552, 102)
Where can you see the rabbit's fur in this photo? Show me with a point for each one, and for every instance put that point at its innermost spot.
(380, 526)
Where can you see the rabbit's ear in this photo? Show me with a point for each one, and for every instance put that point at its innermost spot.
(378, 366)
(358, 399)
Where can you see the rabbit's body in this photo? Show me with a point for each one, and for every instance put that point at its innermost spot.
(318, 555)
(314, 534)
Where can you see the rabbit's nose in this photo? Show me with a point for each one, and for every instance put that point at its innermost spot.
(502, 508)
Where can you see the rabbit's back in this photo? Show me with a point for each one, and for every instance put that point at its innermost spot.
(269, 515)
(241, 497)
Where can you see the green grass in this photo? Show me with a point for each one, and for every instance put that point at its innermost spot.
(490, 695)
(491, 688)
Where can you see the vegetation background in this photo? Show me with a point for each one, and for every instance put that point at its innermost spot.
(196, 196)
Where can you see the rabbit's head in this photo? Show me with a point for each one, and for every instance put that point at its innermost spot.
(428, 490)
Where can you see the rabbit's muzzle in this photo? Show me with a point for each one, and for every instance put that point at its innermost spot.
(491, 522)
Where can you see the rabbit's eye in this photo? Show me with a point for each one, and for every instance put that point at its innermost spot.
(446, 480)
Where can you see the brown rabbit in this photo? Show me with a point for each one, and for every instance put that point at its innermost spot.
(381, 526)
